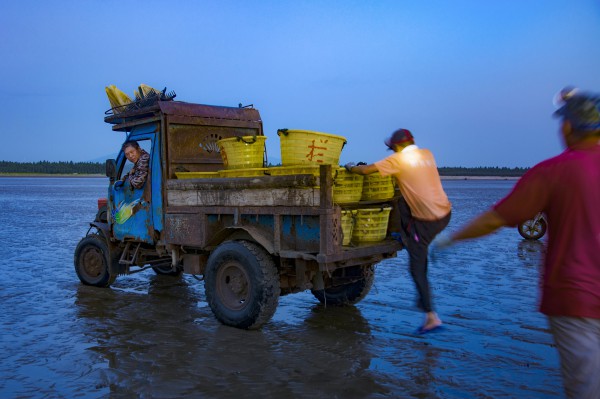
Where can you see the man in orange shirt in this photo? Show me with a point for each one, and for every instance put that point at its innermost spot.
(424, 208)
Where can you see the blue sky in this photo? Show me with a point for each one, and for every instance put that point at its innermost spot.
(473, 80)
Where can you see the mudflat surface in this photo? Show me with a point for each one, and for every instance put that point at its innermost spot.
(155, 337)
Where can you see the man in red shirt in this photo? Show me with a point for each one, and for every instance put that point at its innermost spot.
(423, 209)
(567, 189)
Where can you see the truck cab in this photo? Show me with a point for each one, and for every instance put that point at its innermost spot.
(252, 239)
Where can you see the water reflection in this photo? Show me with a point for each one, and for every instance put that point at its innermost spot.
(155, 337)
(162, 336)
(142, 337)
(531, 252)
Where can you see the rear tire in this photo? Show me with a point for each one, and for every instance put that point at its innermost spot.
(361, 277)
(92, 261)
(242, 284)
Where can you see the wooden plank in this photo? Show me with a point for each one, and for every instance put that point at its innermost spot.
(182, 198)
(243, 198)
(327, 243)
(238, 183)
(128, 125)
(248, 210)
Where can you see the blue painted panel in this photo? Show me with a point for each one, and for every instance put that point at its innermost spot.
(130, 202)
(138, 212)
(304, 228)
(300, 233)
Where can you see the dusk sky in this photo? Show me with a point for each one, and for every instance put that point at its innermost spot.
(472, 79)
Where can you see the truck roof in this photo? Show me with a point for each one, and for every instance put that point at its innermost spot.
(181, 108)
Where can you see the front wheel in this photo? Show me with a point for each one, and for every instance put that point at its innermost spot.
(242, 284)
(93, 262)
(533, 229)
(348, 286)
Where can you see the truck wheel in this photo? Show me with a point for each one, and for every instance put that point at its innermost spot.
(92, 261)
(532, 229)
(350, 293)
(242, 284)
(167, 271)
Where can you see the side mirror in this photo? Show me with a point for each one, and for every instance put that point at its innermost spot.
(111, 169)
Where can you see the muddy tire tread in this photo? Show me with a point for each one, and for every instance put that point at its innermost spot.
(262, 310)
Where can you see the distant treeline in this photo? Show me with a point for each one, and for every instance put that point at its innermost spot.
(53, 168)
(93, 168)
(483, 171)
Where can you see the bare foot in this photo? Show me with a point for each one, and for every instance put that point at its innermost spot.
(432, 321)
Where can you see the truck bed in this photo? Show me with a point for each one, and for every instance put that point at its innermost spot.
(291, 216)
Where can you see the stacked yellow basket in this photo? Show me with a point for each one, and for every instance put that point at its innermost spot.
(348, 220)
(305, 147)
(377, 187)
(250, 172)
(371, 224)
(295, 170)
(303, 151)
(347, 187)
(245, 152)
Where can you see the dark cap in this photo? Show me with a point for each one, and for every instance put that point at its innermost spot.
(580, 109)
(400, 136)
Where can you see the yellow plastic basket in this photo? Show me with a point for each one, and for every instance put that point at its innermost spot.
(196, 175)
(300, 147)
(347, 187)
(371, 224)
(295, 170)
(376, 187)
(245, 152)
(348, 218)
(253, 172)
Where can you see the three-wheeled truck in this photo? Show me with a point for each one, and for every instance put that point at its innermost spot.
(251, 239)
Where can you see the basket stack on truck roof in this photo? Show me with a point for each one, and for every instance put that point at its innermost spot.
(252, 237)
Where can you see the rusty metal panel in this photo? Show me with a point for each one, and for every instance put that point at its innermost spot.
(184, 229)
(208, 111)
(383, 249)
(247, 128)
(194, 263)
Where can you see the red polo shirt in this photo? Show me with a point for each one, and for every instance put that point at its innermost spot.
(567, 189)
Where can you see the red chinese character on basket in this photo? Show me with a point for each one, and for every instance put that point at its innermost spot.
(312, 155)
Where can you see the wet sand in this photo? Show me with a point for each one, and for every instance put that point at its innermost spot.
(155, 337)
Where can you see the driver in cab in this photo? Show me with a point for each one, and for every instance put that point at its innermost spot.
(141, 160)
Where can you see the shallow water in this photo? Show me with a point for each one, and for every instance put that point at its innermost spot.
(155, 337)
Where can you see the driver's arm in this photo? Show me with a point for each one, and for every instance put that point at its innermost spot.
(138, 178)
